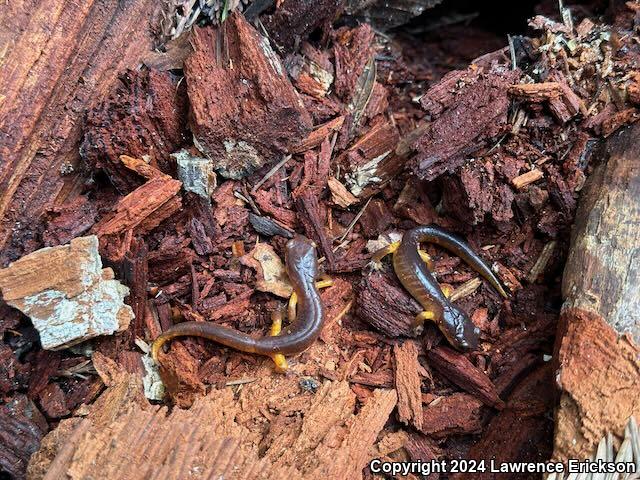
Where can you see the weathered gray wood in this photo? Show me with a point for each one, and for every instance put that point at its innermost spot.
(603, 269)
(598, 361)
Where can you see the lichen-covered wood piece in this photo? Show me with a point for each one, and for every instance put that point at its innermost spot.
(66, 292)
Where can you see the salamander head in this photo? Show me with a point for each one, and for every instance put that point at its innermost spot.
(459, 329)
(301, 257)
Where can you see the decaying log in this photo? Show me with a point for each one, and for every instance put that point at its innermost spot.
(597, 344)
(244, 110)
(58, 54)
(66, 292)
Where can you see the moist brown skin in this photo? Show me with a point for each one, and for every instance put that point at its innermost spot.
(302, 268)
(422, 285)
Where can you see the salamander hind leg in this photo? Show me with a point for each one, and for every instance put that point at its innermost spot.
(276, 328)
(276, 321)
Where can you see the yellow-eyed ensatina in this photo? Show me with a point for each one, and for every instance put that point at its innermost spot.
(418, 280)
(302, 267)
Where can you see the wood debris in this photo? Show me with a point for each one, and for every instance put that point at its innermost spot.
(527, 178)
(272, 276)
(454, 134)
(455, 414)
(339, 193)
(144, 117)
(463, 373)
(241, 135)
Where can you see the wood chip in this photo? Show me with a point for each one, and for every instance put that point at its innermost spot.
(317, 136)
(455, 414)
(461, 372)
(407, 382)
(340, 195)
(542, 261)
(527, 178)
(270, 270)
(195, 173)
(143, 209)
(386, 306)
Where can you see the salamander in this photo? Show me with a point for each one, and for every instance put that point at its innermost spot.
(302, 267)
(418, 280)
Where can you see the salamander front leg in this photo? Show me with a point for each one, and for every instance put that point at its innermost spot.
(376, 259)
(418, 325)
(426, 259)
(324, 282)
(447, 290)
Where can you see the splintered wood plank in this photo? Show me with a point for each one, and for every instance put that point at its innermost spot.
(348, 460)
(407, 381)
(307, 435)
(57, 57)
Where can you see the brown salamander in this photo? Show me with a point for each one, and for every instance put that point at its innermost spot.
(302, 267)
(416, 277)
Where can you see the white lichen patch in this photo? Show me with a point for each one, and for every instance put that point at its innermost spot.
(271, 56)
(240, 160)
(365, 175)
(151, 382)
(67, 294)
